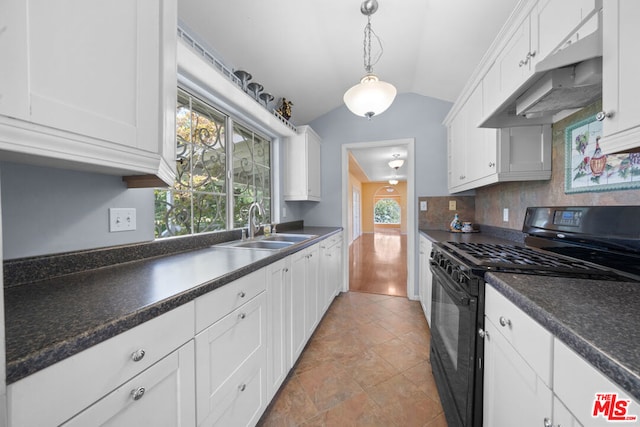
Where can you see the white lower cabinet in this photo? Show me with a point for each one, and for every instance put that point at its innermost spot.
(231, 364)
(577, 384)
(278, 357)
(426, 278)
(144, 356)
(163, 395)
(517, 366)
(513, 393)
(531, 378)
(248, 335)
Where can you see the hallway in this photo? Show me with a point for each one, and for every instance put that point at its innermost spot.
(367, 364)
(378, 263)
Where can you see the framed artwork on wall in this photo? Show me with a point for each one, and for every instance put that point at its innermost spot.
(587, 168)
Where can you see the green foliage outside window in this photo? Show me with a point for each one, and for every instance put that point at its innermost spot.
(386, 211)
(198, 201)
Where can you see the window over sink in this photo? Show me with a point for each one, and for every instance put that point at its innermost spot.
(205, 196)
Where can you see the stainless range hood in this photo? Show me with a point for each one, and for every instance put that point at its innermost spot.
(562, 89)
(568, 79)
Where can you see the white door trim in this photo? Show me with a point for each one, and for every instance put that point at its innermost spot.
(411, 211)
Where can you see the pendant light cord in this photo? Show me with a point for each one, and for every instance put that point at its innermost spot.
(368, 32)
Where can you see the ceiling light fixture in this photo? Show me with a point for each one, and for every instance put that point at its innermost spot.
(393, 181)
(396, 163)
(371, 96)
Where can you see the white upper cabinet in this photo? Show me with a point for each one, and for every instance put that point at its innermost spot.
(90, 85)
(620, 70)
(302, 173)
(558, 20)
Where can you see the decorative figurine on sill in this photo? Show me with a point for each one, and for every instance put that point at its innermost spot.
(285, 108)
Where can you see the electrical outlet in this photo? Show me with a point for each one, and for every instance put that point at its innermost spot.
(452, 205)
(423, 205)
(122, 219)
(505, 215)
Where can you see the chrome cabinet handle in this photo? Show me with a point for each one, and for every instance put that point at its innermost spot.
(547, 422)
(603, 115)
(491, 164)
(504, 321)
(241, 294)
(137, 355)
(241, 316)
(483, 334)
(242, 387)
(136, 394)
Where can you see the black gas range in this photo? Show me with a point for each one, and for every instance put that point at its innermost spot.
(596, 243)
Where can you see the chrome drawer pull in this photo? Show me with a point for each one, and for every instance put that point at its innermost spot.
(138, 355)
(504, 321)
(241, 294)
(242, 387)
(242, 316)
(137, 393)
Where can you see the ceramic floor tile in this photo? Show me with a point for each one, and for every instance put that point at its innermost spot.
(371, 370)
(291, 407)
(328, 385)
(367, 364)
(401, 356)
(358, 410)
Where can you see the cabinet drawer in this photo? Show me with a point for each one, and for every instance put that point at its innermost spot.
(230, 363)
(528, 338)
(164, 397)
(576, 383)
(67, 387)
(217, 304)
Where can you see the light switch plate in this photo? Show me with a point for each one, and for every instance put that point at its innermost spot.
(423, 205)
(505, 215)
(122, 219)
(452, 205)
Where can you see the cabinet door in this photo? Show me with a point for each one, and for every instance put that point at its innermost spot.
(426, 278)
(562, 417)
(163, 395)
(457, 149)
(313, 166)
(90, 82)
(312, 315)
(297, 305)
(230, 367)
(480, 142)
(513, 393)
(620, 70)
(577, 383)
(557, 20)
(515, 61)
(278, 282)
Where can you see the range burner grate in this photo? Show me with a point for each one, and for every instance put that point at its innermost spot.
(498, 256)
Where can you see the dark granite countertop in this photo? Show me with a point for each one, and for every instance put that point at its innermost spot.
(599, 320)
(50, 320)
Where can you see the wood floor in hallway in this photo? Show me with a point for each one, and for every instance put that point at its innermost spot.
(378, 263)
(366, 365)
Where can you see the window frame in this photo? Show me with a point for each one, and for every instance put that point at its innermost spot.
(230, 123)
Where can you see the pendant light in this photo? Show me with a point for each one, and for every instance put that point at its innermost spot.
(371, 96)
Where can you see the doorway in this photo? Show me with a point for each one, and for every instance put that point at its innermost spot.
(387, 250)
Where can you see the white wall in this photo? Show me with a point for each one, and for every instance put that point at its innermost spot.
(410, 116)
(46, 210)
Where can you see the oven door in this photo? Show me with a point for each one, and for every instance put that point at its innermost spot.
(453, 349)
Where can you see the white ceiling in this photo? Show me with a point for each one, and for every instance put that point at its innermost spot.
(310, 52)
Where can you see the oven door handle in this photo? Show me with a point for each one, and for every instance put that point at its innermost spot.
(459, 297)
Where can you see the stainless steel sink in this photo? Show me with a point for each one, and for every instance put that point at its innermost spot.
(281, 237)
(274, 242)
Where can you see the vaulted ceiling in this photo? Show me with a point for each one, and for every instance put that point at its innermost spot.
(311, 52)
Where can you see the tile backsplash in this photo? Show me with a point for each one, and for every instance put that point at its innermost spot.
(438, 216)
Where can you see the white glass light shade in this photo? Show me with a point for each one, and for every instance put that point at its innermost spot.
(369, 97)
(393, 181)
(395, 164)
